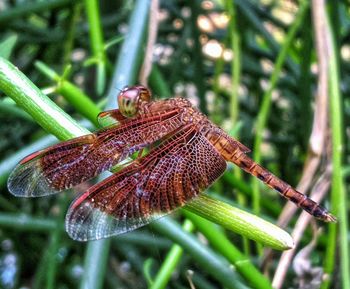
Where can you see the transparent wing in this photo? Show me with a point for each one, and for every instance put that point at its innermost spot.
(165, 179)
(69, 163)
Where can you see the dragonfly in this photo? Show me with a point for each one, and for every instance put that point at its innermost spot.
(186, 154)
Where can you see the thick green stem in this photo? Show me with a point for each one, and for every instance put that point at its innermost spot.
(241, 222)
(73, 94)
(27, 96)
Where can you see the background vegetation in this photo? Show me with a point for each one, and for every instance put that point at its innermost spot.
(271, 73)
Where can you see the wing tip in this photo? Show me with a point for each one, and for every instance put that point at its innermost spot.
(27, 181)
(87, 223)
(16, 183)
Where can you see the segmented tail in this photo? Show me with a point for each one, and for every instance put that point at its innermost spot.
(235, 152)
(301, 200)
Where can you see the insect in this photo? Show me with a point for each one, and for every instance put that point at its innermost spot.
(191, 154)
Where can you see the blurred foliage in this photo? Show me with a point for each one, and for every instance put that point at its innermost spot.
(192, 58)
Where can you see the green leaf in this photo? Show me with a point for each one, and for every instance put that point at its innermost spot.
(7, 45)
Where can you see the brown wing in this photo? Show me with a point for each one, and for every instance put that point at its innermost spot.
(169, 176)
(67, 164)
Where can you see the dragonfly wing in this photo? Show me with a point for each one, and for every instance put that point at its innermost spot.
(48, 171)
(69, 163)
(169, 176)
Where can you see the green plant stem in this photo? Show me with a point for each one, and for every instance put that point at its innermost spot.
(142, 240)
(158, 83)
(218, 70)
(23, 10)
(221, 244)
(171, 261)
(235, 63)
(96, 42)
(73, 94)
(197, 56)
(25, 222)
(73, 19)
(206, 258)
(95, 264)
(247, 9)
(52, 251)
(40, 272)
(266, 99)
(27, 96)
(7, 45)
(14, 111)
(338, 198)
(241, 222)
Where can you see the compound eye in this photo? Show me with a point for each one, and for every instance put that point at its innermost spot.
(130, 98)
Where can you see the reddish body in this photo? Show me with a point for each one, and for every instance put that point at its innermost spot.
(191, 155)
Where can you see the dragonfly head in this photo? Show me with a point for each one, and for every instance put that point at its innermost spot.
(130, 98)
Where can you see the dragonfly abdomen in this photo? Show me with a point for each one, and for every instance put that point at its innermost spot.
(298, 198)
(232, 152)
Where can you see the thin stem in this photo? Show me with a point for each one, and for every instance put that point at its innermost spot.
(221, 244)
(267, 97)
(96, 42)
(73, 94)
(339, 198)
(25, 222)
(95, 264)
(197, 57)
(158, 83)
(71, 32)
(235, 63)
(171, 261)
(55, 238)
(215, 266)
(247, 9)
(23, 10)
